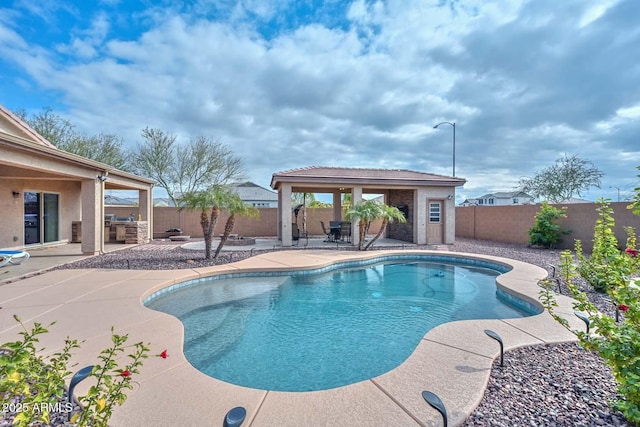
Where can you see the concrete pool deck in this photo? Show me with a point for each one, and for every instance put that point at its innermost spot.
(453, 360)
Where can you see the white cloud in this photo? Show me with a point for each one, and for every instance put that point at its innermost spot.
(523, 82)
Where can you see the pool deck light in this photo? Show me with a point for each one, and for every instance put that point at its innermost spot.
(584, 318)
(235, 417)
(496, 337)
(433, 400)
(77, 377)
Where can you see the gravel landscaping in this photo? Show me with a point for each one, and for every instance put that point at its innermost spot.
(544, 385)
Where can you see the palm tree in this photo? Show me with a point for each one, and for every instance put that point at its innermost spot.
(364, 212)
(236, 207)
(388, 214)
(213, 198)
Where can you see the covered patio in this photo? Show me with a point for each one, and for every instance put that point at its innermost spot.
(427, 200)
(44, 191)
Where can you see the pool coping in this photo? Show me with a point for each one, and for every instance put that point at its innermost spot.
(452, 360)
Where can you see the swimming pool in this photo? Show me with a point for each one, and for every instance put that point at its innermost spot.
(324, 328)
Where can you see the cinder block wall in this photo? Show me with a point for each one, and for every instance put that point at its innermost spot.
(265, 225)
(510, 224)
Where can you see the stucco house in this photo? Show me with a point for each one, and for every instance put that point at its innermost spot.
(500, 198)
(427, 200)
(45, 192)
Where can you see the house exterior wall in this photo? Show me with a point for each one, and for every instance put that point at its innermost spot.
(510, 224)
(12, 223)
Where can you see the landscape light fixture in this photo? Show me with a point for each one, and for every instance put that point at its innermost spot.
(77, 377)
(496, 337)
(235, 417)
(453, 125)
(433, 400)
(584, 318)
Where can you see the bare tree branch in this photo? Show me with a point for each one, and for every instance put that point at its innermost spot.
(568, 177)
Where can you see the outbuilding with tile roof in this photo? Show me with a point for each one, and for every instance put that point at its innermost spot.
(426, 199)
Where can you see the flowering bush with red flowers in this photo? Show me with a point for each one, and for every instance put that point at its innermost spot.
(36, 384)
(617, 342)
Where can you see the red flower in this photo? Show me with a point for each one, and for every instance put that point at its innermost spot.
(632, 252)
(125, 373)
(164, 354)
(623, 307)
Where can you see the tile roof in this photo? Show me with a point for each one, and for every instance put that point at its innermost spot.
(331, 174)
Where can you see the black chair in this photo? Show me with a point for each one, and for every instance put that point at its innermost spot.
(325, 231)
(334, 226)
(345, 231)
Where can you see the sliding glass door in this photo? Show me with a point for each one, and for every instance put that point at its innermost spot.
(50, 220)
(41, 217)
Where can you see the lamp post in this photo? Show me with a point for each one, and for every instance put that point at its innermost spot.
(453, 125)
(611, 186)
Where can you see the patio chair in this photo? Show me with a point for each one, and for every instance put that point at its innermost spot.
(13, 257)
(334, 226)
(345, 231)
(327, 232)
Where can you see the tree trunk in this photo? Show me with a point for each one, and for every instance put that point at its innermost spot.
(204, 223)
(208, 226)
(362, 229)
(228, 228)
(377, 236)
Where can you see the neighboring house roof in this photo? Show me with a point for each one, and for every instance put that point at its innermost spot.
(340, 175)
(574, 200)
(163, 202)
(111, 200)
(249, 191)
(504, 195)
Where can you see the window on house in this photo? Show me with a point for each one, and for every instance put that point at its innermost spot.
(515, 201)
(434, 212)
(481, 202)
(490, 201)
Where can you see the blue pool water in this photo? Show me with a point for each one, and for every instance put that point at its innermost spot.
(303, 332)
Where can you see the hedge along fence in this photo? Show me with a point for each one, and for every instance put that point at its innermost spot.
(265, 225)
(510, 224)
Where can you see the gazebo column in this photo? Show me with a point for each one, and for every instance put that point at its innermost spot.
(356, 197)
(337, 205)
(420, 216)
(284, 217)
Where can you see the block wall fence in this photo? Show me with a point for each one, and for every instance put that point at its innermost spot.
(507, 224)
(510, 224)
(265, 225)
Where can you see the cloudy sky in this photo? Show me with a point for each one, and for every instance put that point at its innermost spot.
(294, 83)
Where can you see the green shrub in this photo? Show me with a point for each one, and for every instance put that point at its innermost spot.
(617, 343)
(545, 232)
(607, 266)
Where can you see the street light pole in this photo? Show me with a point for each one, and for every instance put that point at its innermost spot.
(611, 186)
(453, 125)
